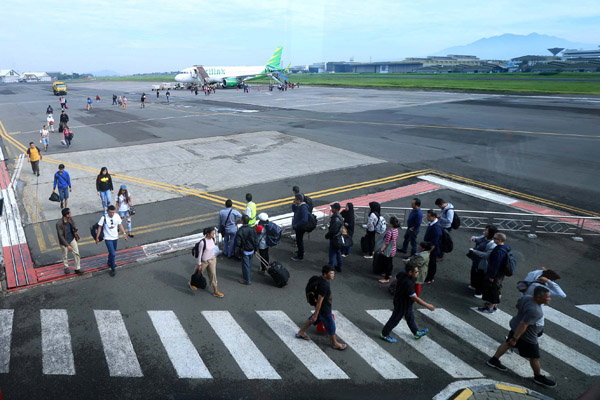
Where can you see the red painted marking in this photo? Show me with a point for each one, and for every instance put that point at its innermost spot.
(28, 264)
(388, 195)
(522, 205)
(12, 259)
(5, 179)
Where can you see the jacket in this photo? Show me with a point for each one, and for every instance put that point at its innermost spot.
(335, 227)
(246, 239)
(496, 259)
(61, 230)
(414, 220)
(300, 216)
(348, 217)
(483, 249)
(64, 118)
(62, 180)
(104, 183)
(446, 216)
(433, 235)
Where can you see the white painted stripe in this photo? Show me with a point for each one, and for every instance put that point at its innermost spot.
(118, 349)
(574, 326)
(479, 340)
(57, 354)
(473, 191)
(307, 351)
(593, 309)
(252, 362)
(179, 347)
(552, 346)
(371, 352)
(6, 326)
(441, 357)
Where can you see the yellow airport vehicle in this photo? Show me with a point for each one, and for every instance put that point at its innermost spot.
(59, 88)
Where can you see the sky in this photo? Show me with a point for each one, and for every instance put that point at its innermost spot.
(157, 36)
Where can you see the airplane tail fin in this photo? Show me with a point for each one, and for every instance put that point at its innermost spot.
(275, 61)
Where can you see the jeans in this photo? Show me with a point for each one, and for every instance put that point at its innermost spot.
(247, 266)
(410, 237)
(228, 242)
(395, 319)
(333, 255)
(111, 245)
(105, 197)
(300, 243)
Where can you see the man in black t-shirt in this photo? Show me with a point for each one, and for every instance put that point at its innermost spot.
(403, 305)
(323, 310)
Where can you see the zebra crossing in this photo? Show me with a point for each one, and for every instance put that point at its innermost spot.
(187, 362)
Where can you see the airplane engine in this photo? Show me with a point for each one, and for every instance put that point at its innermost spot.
(230, 83)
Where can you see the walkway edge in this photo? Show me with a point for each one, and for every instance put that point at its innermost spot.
(466, 389)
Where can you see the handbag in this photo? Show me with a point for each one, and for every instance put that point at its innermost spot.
(388, 250)
(222, 227)
(132, 210)
(54, 197)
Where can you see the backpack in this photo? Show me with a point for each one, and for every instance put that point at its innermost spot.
(273, 234)
(509, 267)
(196, 248)
(381, 225)
(309, 203)
(522, 286)
(446, 245)
(311, 224)
(312, 290)
(94, 230)
(455, 221)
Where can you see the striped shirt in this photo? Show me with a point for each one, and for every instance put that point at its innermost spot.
(390, 239)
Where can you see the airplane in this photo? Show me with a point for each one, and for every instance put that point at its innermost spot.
(233, 76)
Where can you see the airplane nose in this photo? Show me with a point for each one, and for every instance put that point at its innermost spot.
(178, 77)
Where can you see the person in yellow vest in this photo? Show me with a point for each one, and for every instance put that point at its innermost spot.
(34, 156)
(251, 209)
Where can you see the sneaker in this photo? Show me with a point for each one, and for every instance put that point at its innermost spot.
(130, 234)
(79, 272)
(67, 271)
(243, 282)
(192, 286)
(338, 269)
(542, 380)
(486, 310)
(218, 294)
(421, 333)
(113, 272)
(388, 338)
(478, 296)
(471, 288)
(368, 256)
(495, 363)
(344, 255)
(296, 258)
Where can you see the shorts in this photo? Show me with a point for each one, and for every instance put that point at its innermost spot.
(45, 141)
(123, 214)
(63, 193)
(526, 349)
(328, 322)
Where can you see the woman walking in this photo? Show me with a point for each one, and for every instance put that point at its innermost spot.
(124, 205)
(388, 250)
(479, 255)
(104, 187)
(207, 260)
(348, 216)
(374, 213)
(124, 103)
(67, 134)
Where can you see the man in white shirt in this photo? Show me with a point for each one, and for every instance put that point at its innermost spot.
(111, 223)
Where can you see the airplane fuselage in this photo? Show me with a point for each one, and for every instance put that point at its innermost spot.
(218, 74)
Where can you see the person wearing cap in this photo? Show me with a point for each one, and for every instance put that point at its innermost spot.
(67, 238)
(124, 205)
(335, 230)
(263, 249)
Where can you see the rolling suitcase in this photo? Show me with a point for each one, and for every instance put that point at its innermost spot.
(279, 273)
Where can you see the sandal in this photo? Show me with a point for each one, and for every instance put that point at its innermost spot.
(384, 281)
(341, 348)
(299, 336)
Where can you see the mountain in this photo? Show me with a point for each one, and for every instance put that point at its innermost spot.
(507, 46)
(105, 72)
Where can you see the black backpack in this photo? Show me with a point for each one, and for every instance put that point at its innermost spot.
(509, 266)
(312, 290)
(309, 203)
(196, 248)
(94, 230)
(455, 221)
(311, 224)
(446, 245)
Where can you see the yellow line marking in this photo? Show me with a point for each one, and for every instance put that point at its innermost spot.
(464, 395)
(507, 388)
(13, 133)
(519, 194)
(29, 207)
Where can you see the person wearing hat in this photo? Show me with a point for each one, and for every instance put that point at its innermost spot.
(124, 207)
(263, 249)
(335, 230)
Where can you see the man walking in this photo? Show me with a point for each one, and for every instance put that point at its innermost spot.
(110, 223)
(143, 100)
(446, 217)
(494, 276)
(34, 155)
(323, 310)
(251, 209)
(228, 219)
(67, 238)
(433, 235)
(524, 334)
(114, 103)
(333, 234)
(168, 95)
(62, 180)
(64, 118)
(404, 298)
(246, 243)
(413, 225)
(299, 221)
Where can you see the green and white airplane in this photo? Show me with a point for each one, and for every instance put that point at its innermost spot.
(232, 76)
